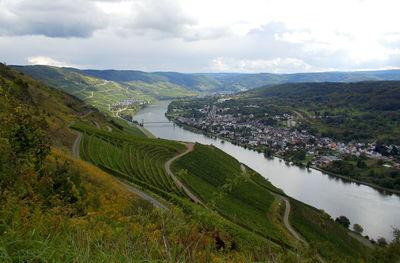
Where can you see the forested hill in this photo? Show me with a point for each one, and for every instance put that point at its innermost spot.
(368, 95)
(249, 81)
(347, 111)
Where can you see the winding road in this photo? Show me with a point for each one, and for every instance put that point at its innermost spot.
(287, 211)
(75, 146)
(167, 167)
(286, 217)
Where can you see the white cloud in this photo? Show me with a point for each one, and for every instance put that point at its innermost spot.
(275, 65)
(47, 61)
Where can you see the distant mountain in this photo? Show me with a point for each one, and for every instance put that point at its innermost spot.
(249, 81)
(190, 81)
(236, 81)
(102, 87)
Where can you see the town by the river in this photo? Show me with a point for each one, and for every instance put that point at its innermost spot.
(375, 211)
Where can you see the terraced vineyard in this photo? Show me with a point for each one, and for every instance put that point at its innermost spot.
(139, 160)
(242, 197)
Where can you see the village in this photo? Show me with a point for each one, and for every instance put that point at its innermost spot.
(281, 138)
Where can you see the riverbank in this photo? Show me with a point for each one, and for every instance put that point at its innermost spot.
(377, 187)
(345, 178)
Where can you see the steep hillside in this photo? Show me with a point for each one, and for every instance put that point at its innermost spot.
(96, 92)
(109, 90)
(55, 208)
(197, 82)
(58, 108)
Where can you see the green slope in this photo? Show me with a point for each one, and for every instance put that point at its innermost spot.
(245, 198)
(94, 91)
(100, 89)
(56, 208)
(225, 188)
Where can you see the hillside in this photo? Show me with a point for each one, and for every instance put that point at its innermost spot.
(56, 208)
(104, 94)
(351, 111)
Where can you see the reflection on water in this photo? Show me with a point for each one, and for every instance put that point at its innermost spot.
(374, 210)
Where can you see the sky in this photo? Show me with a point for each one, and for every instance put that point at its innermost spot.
(249, 36)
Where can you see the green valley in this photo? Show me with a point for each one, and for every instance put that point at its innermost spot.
(57, 208)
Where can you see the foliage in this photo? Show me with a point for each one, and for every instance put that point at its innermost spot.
(357, 228)
(344, 221)
(367, 170)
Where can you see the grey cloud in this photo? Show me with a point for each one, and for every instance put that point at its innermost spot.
(161, 15)
(63, 18)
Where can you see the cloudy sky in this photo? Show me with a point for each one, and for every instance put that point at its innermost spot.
(280, 36)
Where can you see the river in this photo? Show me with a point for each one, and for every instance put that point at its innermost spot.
(376, 212)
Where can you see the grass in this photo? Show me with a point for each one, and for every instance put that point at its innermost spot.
(118, 227)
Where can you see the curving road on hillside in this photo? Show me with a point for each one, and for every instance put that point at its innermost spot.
(286, 217)
(167, 167)
(130, 188)
(287, 211)
(77, 143)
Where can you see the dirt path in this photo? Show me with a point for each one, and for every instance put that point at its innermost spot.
(145, 196)
(155, 202)
(167, 167)
(286, 217)
(97, 124)
(77, 143)
(287, 212)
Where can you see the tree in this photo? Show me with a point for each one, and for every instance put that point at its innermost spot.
(344, 221)
(358, 228)
(382, 242)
